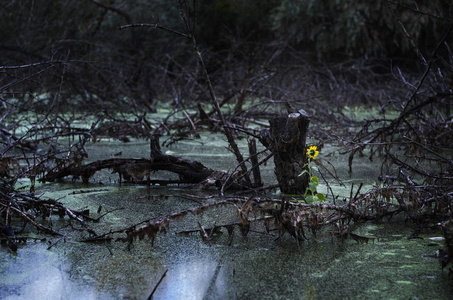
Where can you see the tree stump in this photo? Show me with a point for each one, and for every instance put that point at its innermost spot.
(287, 142)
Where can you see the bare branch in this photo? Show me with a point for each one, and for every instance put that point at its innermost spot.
(154, 26)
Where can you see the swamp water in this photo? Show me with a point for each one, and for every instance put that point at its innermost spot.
(258, 266)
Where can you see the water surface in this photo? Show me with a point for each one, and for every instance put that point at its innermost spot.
(258, 266)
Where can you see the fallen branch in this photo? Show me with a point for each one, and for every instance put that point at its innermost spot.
(134, 170)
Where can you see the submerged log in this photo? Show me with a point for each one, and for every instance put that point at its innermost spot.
(131, 169)
(136, 170)
(287, 142)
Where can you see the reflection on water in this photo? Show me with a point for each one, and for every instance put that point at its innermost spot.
(36, 273)
(193, 280)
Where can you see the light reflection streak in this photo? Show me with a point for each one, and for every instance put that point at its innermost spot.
(193, 280)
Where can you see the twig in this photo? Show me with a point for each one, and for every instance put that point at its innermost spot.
(213, 280)
(155, 287)
(192, 125)
(419, 11)
(50, 62)
(37, 225)
(225, 186)
(53, 244)
(155, 26)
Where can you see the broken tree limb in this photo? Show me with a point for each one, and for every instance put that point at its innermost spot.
(132, 169)
(135, 170)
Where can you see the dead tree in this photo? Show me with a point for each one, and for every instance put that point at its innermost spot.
(287, 142)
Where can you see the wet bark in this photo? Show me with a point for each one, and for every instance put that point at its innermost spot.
(138, 170)
(287, 142)
(257, 182)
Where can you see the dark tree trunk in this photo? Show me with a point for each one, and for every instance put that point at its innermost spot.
(287, 139)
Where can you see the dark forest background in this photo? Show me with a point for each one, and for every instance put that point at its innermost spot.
(288, 49)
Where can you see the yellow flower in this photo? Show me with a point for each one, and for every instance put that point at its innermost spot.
(312, 152)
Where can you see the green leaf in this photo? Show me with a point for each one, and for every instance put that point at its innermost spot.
(321, 196)
(315, 168)
(312, 186)
(310, 199)
(315, 179)
(303, 172)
